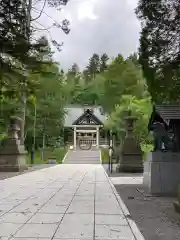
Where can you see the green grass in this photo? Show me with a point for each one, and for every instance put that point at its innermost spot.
(105, 155)
(57, 154)
(37, 158)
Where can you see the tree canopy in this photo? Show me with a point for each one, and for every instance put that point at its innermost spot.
(159, 48)
(27, 67)
(20, 51)
(115, 84)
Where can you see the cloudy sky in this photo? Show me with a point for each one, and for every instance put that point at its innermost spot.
(97, 26)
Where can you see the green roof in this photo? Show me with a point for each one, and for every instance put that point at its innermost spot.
(73, 112)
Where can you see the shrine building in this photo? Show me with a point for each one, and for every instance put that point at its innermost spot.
(84, 126)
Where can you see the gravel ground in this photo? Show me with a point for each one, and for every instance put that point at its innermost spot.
(5, 175)
(155, 216)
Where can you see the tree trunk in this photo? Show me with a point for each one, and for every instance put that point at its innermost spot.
(43, 146)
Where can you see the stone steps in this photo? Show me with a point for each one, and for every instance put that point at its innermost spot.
(83, 157)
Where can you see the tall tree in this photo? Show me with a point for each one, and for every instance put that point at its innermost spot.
(159, 48)
(73, 75)
(103, 62)
(122, 77)
(18, 48)
(94, 65)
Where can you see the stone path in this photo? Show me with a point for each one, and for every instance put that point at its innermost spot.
(83, 157)
(63, 202)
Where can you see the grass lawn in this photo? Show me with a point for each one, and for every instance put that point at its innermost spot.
(105, 155)
(58, 154)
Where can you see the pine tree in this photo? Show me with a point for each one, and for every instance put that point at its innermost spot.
(103, 62)
(94, 65)
(159, 48)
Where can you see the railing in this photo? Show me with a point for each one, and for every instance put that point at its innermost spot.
(88, 142)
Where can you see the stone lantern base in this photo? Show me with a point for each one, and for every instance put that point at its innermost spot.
(12, 157)
(12, 153)
(131, 158)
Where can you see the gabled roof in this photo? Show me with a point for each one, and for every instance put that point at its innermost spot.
(164, 113)
(87, 118)
(74, 112)
(168, 112)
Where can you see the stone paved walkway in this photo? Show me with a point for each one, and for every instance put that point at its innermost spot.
(63, 202)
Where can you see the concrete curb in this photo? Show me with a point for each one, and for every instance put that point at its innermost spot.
(135, 230)
(65, 156)
(138, 235)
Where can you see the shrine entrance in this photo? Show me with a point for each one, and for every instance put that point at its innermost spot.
(86, 139)
(86, 131)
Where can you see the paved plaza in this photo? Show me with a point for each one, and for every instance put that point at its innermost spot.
(64, 202)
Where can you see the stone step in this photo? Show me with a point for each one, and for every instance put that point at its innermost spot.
(83, 157)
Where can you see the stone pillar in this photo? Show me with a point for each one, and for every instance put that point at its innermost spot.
(97, 137)
(12, 153)
(74, 137)
(161, 173)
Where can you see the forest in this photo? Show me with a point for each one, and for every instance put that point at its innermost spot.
(35, 87)
(115, 84)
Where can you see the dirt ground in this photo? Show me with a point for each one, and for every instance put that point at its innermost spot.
(155, 216)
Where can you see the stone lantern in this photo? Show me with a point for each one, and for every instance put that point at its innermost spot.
(12, 153)
(131, 158)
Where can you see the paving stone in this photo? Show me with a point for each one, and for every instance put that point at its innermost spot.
(83, 198)
(108, 210)
(86, 219)
(6, 207)
(110, 220)
(27, 239)
(7, 229)
(59, 199)
(81, 207)
(105, 196)
(78, 231)
(85, 192)
(48, 208)
(2, 213)
(113, 232)
(43, 218)
(26, 207)
(10, 201)
(36, 231)
(16, 217)
(65, 195)
(81, 226)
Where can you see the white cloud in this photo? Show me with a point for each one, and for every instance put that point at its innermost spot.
(96, 26)
(86, 10)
